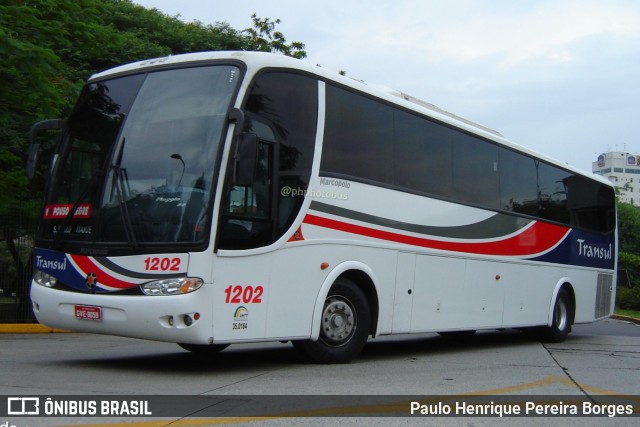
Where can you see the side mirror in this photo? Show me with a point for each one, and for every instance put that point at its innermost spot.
(245, 159)
(32, 159)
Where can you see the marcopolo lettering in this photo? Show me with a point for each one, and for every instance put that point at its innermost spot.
(335, 182)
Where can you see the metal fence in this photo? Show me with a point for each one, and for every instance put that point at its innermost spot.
(16, 252)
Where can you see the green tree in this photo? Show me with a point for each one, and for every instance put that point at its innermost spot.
(264, 37)
(33, 87)
(50, 47)
(629, 228)
(629, 256)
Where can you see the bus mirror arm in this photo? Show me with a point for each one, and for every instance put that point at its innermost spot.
(32, 159)
(245, 159)
(237, 115)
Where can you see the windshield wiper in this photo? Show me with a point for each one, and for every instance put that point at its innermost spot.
(120, 178)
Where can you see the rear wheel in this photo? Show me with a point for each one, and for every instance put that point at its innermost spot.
(562, 317)
(344, 327)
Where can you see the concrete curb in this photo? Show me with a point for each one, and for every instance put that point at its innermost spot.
(28, 328)
(626, 318)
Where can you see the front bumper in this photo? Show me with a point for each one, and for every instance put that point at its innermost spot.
(160, 318)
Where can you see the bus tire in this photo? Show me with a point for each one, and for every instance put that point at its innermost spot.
(204, 349)
(344, 327)
(562, 317)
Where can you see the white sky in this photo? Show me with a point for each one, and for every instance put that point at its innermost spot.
(559, 77)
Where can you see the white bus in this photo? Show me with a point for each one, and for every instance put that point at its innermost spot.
(226, 197)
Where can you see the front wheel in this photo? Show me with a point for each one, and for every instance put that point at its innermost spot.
(344, 327)
(562, 317)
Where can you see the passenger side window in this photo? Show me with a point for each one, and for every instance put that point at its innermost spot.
(518, 183)
(371, 141)
(358, 137)
(423, 153)
(475, 171)
(552, 184)
(281, 109)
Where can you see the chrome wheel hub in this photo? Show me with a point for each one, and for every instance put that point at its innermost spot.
(338, 321)
(561, 315)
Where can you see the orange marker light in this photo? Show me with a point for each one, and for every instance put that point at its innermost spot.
(324, 266)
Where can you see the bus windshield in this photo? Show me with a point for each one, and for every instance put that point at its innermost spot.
(138, 160)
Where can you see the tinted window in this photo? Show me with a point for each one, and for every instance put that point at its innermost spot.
(93, 127)
(288, 103)
(590, 204)
(553, 193)
(475, 170)
(369, 140)
(518, 188)
(358, 136)
(282, 111)
(423, 155)
(167, 152)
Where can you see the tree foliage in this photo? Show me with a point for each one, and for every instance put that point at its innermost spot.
(629, 256)
(629, 228)
(264, 37)
(50, 47)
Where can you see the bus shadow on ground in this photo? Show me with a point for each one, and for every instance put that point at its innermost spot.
(239, 357)
(435, 344)
(243, 357)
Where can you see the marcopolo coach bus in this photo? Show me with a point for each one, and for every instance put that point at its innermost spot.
(225, 197)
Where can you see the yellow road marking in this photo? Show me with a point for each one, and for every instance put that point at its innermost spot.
(27, 328)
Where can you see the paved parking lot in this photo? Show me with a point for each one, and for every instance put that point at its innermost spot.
(496, 363)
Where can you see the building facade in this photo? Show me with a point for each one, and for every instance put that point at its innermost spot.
(623, 170)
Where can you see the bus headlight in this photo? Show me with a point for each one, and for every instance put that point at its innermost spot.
(44, 279)
(177, 286)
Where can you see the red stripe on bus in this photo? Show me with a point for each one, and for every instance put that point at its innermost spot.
(533, 240)
(88, 266)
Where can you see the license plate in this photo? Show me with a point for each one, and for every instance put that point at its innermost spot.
(88, 312)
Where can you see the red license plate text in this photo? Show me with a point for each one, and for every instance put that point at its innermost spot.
(88, 312)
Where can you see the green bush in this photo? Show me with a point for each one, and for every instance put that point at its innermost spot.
(628, 298)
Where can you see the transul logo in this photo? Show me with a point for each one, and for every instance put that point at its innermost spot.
(594, 251)
(59, 265)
